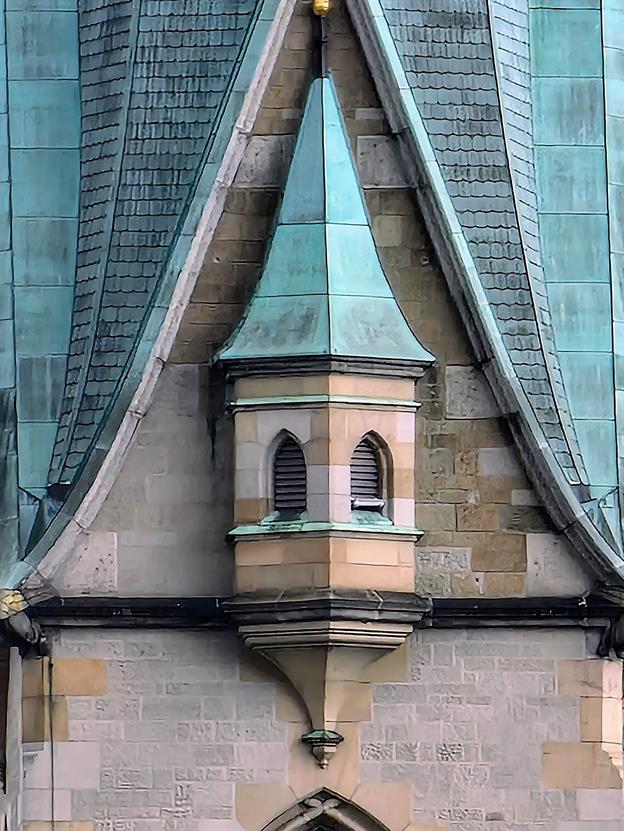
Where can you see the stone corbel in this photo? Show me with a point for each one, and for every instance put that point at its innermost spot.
(325, 644)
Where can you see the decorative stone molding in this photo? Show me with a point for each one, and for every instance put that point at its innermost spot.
(325, 645)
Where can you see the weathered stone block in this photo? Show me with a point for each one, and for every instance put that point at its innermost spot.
(497, 488)
(601, 720)
(579, 765)
(38, 717)
(435, 517)
(552, 569)
(41, 825)
(467, 585)
(35, 679)
(266, 159)
(523, 518)
(378, 163)
(524, 497)
(80, 676)
(597, 805)
(468, 395)
(38, 805)
(504, 584)
(442, 559)
(389, 801)
(499, 461)
(93, 566)
(477, 517)
(499, 552)
(590, 678)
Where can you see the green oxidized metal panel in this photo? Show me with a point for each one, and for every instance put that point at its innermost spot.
(292, 267)
(571, 164)
(44, 119)
(585, 255)
(613, 48)
(9, 521)
(323, 290)
(44, 113)
(581, 315)
(45, 182)
(42, 44)
(280, 327)
(589, 384)
(571, 179)
(569, 113)
(354, 262)
(566, 43)
(45, 251)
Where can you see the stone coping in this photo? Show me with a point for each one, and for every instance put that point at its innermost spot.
(340, 529)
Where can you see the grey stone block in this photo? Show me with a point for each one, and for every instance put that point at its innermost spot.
(468, 395)
(379, 163)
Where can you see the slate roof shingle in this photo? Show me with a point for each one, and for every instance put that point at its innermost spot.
(154, 76)
(447, 54)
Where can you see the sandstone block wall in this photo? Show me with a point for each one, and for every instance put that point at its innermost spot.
(505, 730)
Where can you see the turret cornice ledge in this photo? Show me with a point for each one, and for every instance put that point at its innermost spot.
(327, 605)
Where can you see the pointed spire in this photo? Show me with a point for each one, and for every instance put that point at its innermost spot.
(323, 292)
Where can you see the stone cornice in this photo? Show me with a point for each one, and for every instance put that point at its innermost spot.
(295, 401)
(326, 605)
(592, 610)
(324, 529)
(325, 365)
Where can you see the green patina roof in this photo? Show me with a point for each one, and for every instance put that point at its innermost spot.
(323, 290)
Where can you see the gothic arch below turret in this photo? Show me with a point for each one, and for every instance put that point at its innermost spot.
(325, 810)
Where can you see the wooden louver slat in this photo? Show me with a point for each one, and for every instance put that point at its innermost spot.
(365, 474)
(289, 478)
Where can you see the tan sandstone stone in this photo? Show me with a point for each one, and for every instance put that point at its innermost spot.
(590, 678)
(571, 765)
(79, 676)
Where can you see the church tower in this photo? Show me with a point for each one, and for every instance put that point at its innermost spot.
(323, 367)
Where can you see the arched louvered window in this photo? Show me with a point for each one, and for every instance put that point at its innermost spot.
(289, 478)
(366, 482)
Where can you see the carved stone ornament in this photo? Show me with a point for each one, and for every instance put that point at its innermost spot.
(325, 651)
(324, 810)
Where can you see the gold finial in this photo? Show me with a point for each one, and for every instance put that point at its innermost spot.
(11, 603)
(321, 7)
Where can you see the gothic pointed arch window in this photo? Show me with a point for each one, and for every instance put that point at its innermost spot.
(325, 810)
(367, 480)
(289, 478)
